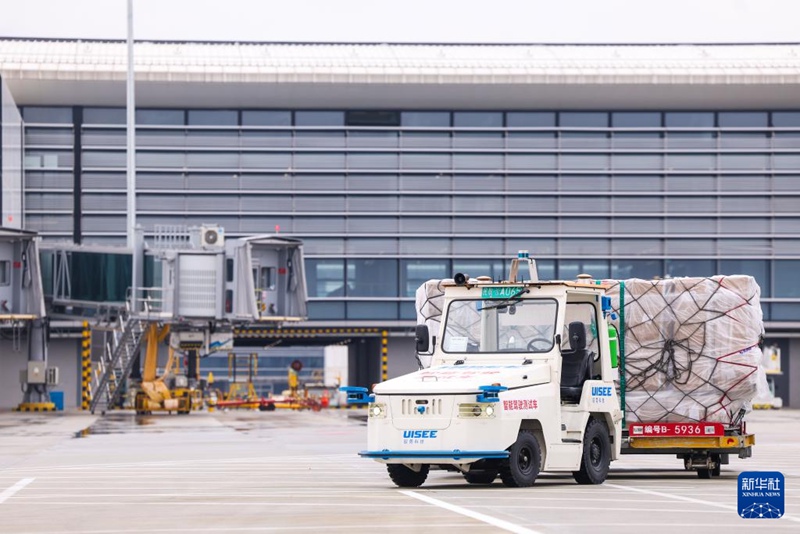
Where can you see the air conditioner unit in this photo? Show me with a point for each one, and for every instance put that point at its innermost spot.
(210, 236)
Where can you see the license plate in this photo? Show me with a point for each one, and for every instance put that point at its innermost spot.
(505, 292)
(676, 429)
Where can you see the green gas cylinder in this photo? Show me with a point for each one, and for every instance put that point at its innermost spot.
(613, 345)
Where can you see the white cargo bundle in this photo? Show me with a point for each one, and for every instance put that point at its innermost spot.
(691, 347)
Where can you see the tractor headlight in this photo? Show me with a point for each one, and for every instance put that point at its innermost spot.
(377, 410)
(473, 410)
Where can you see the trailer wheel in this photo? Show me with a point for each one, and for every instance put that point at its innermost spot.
(405, 477)
(596, 458)
(717, 465)
(481, 476)
(704, 473)
(524, 459)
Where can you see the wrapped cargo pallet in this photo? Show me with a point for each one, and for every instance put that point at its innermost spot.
(691, 347)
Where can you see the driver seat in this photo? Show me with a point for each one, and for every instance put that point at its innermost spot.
(575, 363)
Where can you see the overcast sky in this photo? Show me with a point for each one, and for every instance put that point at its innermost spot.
(440, 21)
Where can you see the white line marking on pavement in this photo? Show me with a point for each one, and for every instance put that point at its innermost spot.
(15, 488)
(499, 523)
(688, 499)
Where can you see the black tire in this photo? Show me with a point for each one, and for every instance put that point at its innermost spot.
(596, 458)
(407, 478)
(704, 473)
(524, 460)
(481, 476)
(717, 465)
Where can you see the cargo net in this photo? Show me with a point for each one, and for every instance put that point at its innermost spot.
(691, 347)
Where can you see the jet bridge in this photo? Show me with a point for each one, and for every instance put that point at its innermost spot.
(192, 279)
(23, 322)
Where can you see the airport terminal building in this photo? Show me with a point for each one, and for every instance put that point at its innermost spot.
(396, 164)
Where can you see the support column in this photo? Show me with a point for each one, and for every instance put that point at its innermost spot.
(86, 366)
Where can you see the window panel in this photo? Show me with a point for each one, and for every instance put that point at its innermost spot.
(47, 115)
(786, 161)
(372, 118)
(372, 160)
(478, 225)
(382, 182)
(160, 116)
(372, 139)
(627, 119)
(743, 161)
(596, 204)
(319, 139)
(582, 119)
(478, 204)
(583, 182)
(382, 203)
(691, 161)
(749, 225)
(595, 140)
(691, 140)
(310, 182)
(785, 311)
(751, 204)
(644, 269)
(637, 183)
(478, 161)
(691, 119)
(636, 247)
(697, 205)
(425, 161)
(419, 246)
(224, 160)
(326, 310)
(692, 225)
(637, 140)
(531, 140)
(477, 182)
(319, 224)
(373, 225)
(531, 225)
(530, 119)
(652, 205)
(744, 247)
(104, 116)
(786, 119)
(372, 310)
(266, 118)
(531, 161)
(319, 160)
(595, 162)
(786, 140)
(534, 182)
(425, 225)
(570, 269)
(318, 245)
(413, 273)
(314, 203)
(426, 182)
(213, 117)
(744, 183)
(425, 119)
(532, 204)
(787, 225)
(319, 118)
(372, 278)
(591, 247)
(638, 225)
(266, 138)
(477, 119)
(585, 225)
(636, 161)
(426, 203)
(743, 119)
(694, 247)
(744, 140)
(468, 245)
(426, 140)
(480, 140)
(371, 245)
(675, 268)
(688, 183)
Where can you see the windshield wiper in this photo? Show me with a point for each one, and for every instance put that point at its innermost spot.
(513, 299)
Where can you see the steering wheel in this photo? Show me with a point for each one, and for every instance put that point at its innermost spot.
(532, 344)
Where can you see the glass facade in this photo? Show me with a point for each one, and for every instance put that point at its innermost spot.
(387, 199)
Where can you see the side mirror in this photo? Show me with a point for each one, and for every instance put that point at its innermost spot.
(422, 338)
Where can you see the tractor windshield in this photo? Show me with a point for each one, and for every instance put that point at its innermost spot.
(511, 325)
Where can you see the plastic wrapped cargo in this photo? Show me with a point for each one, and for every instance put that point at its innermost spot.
(691, 347)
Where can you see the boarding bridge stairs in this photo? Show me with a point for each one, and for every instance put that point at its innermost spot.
(111, 372)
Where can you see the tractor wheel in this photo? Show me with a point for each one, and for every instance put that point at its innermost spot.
(596, 458)
(524, 460)
(405, 477)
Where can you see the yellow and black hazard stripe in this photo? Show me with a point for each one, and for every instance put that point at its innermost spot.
(36, 407)
(301, 332)
(86, 366)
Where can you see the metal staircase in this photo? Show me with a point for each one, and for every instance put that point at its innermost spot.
(114, 367)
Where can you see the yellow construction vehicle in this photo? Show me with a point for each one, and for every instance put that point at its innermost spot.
(154, 394)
